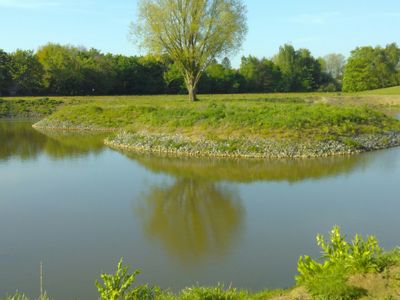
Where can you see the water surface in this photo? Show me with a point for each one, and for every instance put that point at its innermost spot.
(77, 206)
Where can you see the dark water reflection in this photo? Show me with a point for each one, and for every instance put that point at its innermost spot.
(192, 218)
(20, 140)
(70, 202)
(246, 171)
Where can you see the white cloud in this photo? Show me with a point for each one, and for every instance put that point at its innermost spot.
(28, 4)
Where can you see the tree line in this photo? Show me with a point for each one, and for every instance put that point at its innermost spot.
(67, 70)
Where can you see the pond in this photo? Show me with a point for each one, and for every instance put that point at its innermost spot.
(78, 207)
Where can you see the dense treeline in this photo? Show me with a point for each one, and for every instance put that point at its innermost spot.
(66, 70)
(371, 68)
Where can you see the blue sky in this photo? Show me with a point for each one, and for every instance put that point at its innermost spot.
(321, 26)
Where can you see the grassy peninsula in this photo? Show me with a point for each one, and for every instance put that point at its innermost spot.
(240, 125)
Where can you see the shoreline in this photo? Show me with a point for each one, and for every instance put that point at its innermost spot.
(175, 145)
(178, 146)
(72, 129)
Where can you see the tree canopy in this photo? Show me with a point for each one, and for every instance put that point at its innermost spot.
(371, 68)
(26, 72)
(191, 32)
(5, 77)
(67, 70)
(333, 64)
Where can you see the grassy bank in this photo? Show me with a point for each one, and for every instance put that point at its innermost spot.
(34, 108)
(356, 269)
(387, 91)
(271, 127)
(252, 125)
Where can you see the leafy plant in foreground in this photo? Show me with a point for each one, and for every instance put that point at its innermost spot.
(118, 286)
(328, 279)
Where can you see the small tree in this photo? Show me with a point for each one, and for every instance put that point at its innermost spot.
(191, 32)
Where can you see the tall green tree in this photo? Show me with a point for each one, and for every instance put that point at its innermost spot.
(96, 70)
(175, 83)
(220, 78)
(308, 71)
(371, 68)
(26, 72)
(286, 61)
(5, 76)
(62, 69)
(151, 72)
(333, 64)
(300, 70)
(126, 74)
(191, 32)
(261, 75)
(75, 70)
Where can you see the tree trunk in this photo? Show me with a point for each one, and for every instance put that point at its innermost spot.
(192, 93)
(191, 85)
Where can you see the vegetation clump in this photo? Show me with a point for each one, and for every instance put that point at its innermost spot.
(370, 68)
(328, 279)
(119, 286)
(342, 273)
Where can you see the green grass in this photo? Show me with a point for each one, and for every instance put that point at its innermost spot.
(28, 108)
(386, 91)
(286, 117)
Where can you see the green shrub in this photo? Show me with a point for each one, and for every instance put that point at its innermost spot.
(118, 286)
(340, 259)
(331, 283)
(389, 259)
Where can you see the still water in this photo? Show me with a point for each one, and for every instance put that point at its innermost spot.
(78, 207)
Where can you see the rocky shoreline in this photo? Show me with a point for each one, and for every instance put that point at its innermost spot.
(65, 126)
(179, 145)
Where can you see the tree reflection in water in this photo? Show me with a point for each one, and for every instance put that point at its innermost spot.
(196, 217)
(20, 140)
(192, 218)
